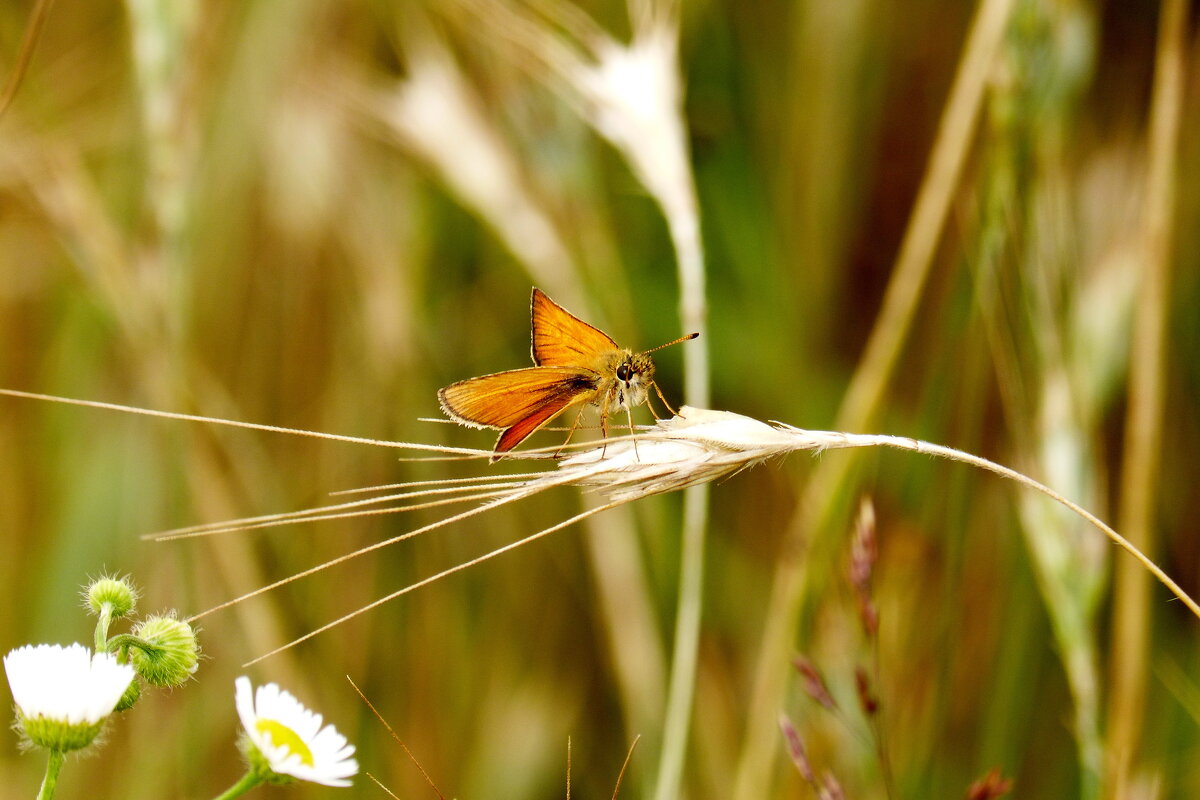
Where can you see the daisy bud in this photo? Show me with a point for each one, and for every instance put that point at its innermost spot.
(167, 653)
(117, 595)
(64, 694)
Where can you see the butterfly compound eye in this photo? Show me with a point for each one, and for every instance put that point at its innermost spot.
(623, 373)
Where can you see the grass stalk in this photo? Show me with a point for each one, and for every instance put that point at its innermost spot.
(1147, 392)
(29, 40)
(681, 687)
(683, 218)
(862, 399)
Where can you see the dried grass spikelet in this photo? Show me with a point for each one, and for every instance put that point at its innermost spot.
(631, 94)
(704, 445)
(437, 116)
(696, 446)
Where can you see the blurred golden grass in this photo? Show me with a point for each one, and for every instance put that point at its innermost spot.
(211, 209)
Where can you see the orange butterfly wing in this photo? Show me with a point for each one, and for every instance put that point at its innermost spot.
(521, 400)
(519, 432)
(562, 339)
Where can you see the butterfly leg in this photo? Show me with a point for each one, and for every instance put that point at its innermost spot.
(570, 432)
(604, 425)
(632, 434)
(658, 391)
(650, 405)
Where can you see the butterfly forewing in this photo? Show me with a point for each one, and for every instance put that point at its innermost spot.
(562, 339)
(505, 399)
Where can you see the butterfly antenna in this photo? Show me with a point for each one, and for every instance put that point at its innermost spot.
(687, 338)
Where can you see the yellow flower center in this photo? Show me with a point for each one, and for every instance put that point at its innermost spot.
(283, 736)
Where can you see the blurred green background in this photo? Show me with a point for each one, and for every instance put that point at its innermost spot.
(270, 212)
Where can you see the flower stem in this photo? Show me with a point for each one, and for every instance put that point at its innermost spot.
(53, 767)
(248, 782)
(102, 628)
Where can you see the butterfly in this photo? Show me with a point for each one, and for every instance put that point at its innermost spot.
(576, 364)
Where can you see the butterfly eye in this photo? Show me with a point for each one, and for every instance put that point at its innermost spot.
(623, 373)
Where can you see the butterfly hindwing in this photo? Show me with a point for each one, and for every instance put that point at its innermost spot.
(562, 339)
(516, 434)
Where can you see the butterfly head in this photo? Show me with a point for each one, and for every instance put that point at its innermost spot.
(635, 376)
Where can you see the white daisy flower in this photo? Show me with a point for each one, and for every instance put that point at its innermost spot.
(290, 738)
(64, 694)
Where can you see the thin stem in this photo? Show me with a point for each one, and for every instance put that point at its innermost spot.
(681, 208)
(877, 723)
(431, 579)
(356, 508)
(918, 446)
(396, 738)
(248, 782)
(235, 424)
(861, 403)
(362, 551)
(53, 767)
(102, 625)
(33, 31)
(620, 775)
(682, 683)
(1147, 397)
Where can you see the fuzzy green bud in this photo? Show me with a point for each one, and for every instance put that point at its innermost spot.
(117, 595)
(169, 652)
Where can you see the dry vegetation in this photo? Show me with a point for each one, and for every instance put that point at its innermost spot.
(973, 226)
